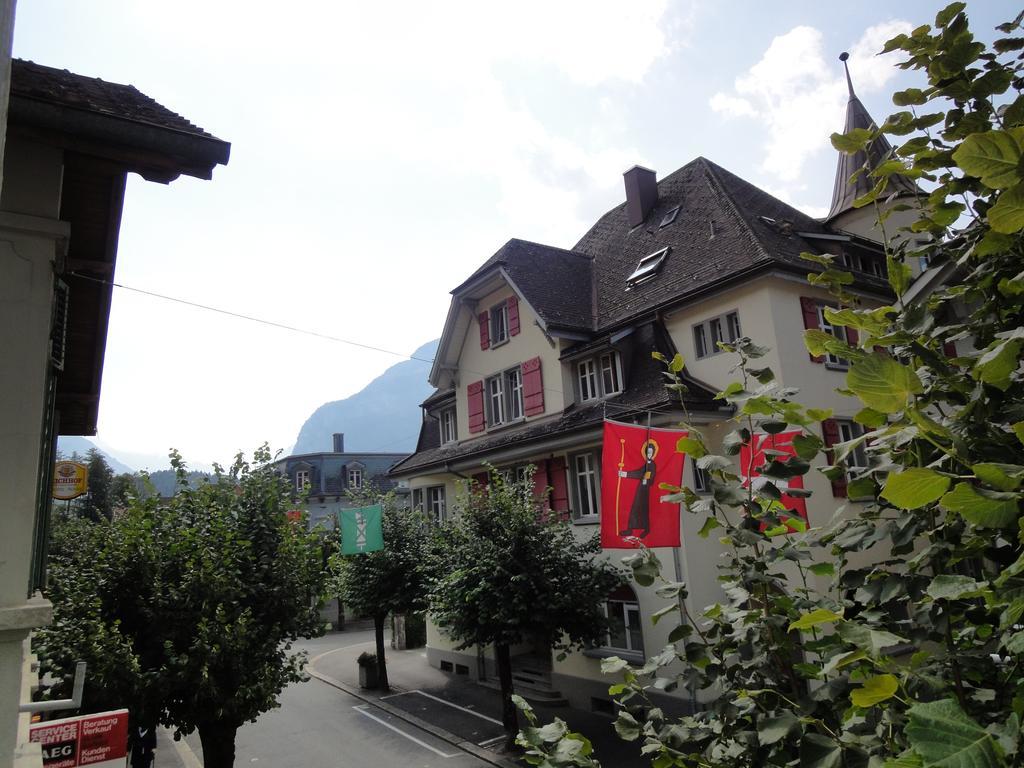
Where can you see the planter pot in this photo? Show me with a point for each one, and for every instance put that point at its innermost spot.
(368, 677)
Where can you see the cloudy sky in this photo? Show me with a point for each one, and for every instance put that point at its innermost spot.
(382, 151)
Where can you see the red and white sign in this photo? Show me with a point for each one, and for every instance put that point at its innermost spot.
(635, 461)
(100, 740)
(752, 455)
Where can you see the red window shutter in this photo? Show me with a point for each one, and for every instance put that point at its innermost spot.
(540, 483)
(533, 388)
(475, 397)
(949, 348)
(559, 485)
(484, 319)
(513, 315)
(809, 307)
(852, 336)
(830, 435)
(482, 479)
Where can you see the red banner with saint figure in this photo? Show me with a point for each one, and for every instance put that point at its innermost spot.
(635, 461)
(752, 455)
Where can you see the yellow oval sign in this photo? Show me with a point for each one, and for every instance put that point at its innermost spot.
(70, 480)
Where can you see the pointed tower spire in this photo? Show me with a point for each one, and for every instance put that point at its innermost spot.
(844, 192)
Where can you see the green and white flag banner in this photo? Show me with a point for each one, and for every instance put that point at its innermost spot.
(361, 529)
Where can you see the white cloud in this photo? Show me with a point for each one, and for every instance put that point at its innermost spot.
(799, 96)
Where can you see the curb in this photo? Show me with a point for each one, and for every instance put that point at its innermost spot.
(456, 741)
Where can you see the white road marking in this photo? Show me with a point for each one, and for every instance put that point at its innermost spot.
(495, 740)
(317, 658)
(361, 709)
(464, 709)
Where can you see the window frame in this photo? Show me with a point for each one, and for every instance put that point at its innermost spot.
(839, 332)
(509, 397)
(592, 370)
(495, 398)
(448, 425)
(435, 503)
(514, 394)
(628, 607)
(701, 478)
(647, 267)
(851, 430)
(354, 476)
(499, 312)
(593, 473)
(303, 480)
(725, 327)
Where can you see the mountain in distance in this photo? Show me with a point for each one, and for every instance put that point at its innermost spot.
(383, 417)
(68, 445)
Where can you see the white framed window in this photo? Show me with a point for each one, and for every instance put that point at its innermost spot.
(499, 324)
(599, 376)
(496, 400)
(435, 506)
(449, 431)
(625, 631)
(505, 397)
(835, 330)
(417, 499)
(851, 430)
(301, 479)
(707, 334)
(514, 393)
(586, 485)
(355, 478)
(701, 478)
(611, 373)
(588, 380)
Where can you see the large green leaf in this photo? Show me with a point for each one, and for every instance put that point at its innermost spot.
(882, 383)
(817, 751)
(951, 586)
(988, 509)
(773, 729)
(992, 156)
(915, 487)
(626, 726)
(999, 360)
(1004, 477)
(875, 690)
(1007, 215)
(943, 735)
(814, 618)
(874, 641)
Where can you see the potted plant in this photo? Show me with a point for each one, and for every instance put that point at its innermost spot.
(367, 670)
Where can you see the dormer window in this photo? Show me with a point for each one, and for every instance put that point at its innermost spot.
(647, 268)
(449, 433)
(301, 480)
(355, 478)
(599, 376)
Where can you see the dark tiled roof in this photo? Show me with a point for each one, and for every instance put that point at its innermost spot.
(438, 396)
(328, 477)
(844, 191)
(716, 235)
(58, 86)
(555, 282)
(645, 391)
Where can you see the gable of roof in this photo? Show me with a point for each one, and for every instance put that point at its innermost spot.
(110, 120)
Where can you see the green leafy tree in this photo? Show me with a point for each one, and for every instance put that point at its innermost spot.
(186, 609)
(513, 572)
(913, 659)
(98, 503)
(393, 580)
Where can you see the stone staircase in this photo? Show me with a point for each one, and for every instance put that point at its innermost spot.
(531, 681)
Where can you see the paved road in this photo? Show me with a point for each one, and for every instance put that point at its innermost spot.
(319, 726)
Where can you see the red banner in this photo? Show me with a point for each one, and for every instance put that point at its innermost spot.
(752, 455)
(635, 460)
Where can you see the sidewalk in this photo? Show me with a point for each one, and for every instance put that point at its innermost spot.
(458, 707)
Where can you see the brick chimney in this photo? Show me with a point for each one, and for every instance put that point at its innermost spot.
(641, 193)
(339, 442)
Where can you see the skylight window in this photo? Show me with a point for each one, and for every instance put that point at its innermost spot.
(669, 217)
(648, 267)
